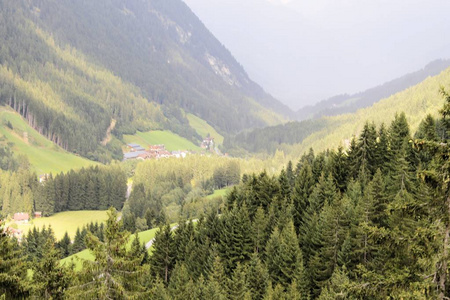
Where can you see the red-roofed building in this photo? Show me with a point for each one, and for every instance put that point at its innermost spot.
(21, 217)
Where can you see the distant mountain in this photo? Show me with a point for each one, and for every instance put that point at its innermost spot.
(295, 138)
(350, 103)
(76, 70)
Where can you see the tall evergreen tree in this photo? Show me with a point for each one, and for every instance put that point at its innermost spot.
(162, 260)
(13, 268)
(113, 274)
(50, 278)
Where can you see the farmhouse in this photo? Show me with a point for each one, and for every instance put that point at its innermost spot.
(208, 143)
(21, 217)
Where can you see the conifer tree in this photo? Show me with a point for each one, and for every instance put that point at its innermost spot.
(113, 274)
(259, 230)
(162, 260)
(51, 280)
(181, 285)
(65, 246)
(303, 188)
(339, 169)
(217, 280)
(257, 277)
(237, 287)
(13, 268)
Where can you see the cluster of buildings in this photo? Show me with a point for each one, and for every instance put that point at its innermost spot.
(154, 151)
(21, 218)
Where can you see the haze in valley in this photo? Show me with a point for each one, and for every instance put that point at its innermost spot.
(306, 51)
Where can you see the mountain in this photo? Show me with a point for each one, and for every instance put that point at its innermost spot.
(76, 70)
(350, 103)
(295, 138)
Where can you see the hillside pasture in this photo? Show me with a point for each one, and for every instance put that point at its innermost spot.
(203, 128)
(43, 155)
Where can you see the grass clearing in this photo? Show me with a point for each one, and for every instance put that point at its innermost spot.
(172, 141)
(203, 128)
(222, 193)
(144, 236)
(44, 156)
(66, 221)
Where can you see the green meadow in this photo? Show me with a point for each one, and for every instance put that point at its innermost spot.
(203, 128)
(66, 221)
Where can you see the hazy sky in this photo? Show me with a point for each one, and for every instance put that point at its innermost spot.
(303, 51)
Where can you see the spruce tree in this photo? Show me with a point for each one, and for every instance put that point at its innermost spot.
(13, 268)
(51, 280)
(257, 277)
(113, 274)
(163, 257)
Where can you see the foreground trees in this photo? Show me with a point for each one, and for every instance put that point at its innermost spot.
(356, 224)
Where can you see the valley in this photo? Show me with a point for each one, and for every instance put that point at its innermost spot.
(138, 160)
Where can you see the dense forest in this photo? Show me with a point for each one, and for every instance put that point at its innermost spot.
(94, 188)
(370, 222)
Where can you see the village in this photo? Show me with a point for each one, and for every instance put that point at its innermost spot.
(136, 151)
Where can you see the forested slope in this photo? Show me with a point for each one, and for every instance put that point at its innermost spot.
(73, 68)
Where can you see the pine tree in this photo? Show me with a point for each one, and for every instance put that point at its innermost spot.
(50, 278)
(13, 268)
(162, 260)
(217, 281)
(65, 246)
(303, 188)
(337, 288)
(365, 150)
(437, 177)
(236, 243)
(339, 168)
(113, 274)
(284, 258)
(257, 277)
(237, 287)
(259, 230)
(181, 285)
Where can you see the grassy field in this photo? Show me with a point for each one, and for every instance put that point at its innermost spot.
(172, 141)
(217, 193)
(203, 128)
(144, 237)
(44, 156)
(66, 221)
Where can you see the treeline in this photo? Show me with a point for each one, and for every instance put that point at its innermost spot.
(93, 188)
(34, 242)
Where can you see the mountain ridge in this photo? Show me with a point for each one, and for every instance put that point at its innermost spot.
(348, 103)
